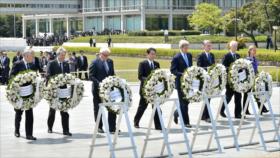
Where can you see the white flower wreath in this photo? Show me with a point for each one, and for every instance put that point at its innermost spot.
(194, 83)
(114, 89)
(158, 86)
(241, 75)
(25, 90)
(67, 97)
(217, 79)
(263, 82)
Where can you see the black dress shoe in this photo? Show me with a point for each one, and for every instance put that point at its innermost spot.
(238, 116)
(208, 120)
(50, 131)
(158, 128)
(17, 134)
(248, 113)
(30, 138)
(188, 125)
(100, 130)
(223, 114)
(113, 132)
(136, 126)
(67, 133)
(175, 120)
(264, 110)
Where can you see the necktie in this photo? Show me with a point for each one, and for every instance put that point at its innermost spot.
(27, 66)
(106, 66)
(186, 59)
(61, 66)
(233, 55)
(209, 58)
(152, 65)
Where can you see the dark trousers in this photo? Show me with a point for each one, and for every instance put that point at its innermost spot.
(237, 100)
(184, 106)
(205, 114)
(258, 103)
(111, 116)
(140, 111)
(86, 74)
(28, 121)
(64, 119)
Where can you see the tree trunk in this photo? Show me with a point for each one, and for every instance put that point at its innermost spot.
(267, 16)
(252, 36)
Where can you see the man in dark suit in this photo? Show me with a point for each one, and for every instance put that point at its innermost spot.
(21, 65)
(204, 60)
(228, 59)
(180, 62)
(5, 63)
(83, 64)
(55, 67)
(99, 69)
(17, 57)
(144, 70)
(36, 63)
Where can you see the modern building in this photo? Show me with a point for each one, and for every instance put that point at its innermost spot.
(69, 16)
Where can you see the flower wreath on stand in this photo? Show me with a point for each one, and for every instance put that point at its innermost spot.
(263, 82)
(217, 79)
(25, 90)
(158, 86)
(113, 90)
(64, 92)
(194, 83)
(241, 75)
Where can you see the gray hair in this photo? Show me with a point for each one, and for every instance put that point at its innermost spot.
(104, 49)
(206, 41)
(183, 42)
(232, 43)
(60, 50)
(27, 52)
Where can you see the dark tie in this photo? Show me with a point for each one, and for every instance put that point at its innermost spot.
(61, 66)
(186, 59)
(27, 65)
(106, 66)
(234, 56)
(152, 65)
(209, 58)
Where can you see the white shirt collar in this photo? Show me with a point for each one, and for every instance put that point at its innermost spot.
(58, 61)
(150, 61)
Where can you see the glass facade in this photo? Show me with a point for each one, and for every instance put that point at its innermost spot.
(59, 27)
(157, 4)
(92, 6)
(113, 22)
(93, 22)
(156, 22)
(44, 25)
(180, 22)
(132, 23)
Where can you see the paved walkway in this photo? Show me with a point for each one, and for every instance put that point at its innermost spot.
(81, 125)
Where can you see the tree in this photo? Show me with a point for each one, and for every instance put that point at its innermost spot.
(207, 17)
(7, 25)
(248, 20)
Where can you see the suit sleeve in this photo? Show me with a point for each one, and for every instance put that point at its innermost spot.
(92, 73)
(113, 69)
(174, 67)
(86, 62)
(14, 70)
(190, 56)
(213, 58)
(140, 72)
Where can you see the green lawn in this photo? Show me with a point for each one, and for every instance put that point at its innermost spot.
(131, 64)
(160, 39)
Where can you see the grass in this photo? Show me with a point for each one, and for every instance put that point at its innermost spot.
(160, 39)
(131, 65)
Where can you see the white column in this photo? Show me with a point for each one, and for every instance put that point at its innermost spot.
(51, 25)
(143, 17)
(36, 27)
(23, 28)
(84, 23)
(170, 17)
(122, 16)
(103, 16)
(67, 27)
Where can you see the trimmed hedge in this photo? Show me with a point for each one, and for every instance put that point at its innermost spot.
(161, 33)
(262, 54)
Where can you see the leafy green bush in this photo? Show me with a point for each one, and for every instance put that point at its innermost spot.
(161, 33)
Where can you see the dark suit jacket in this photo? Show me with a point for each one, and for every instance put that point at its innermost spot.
(15, 59)
(144, 70)
(228, 59)
(178, 67)
(53, 68)
(84, 65)
(202, 60)
(37, 64)
(20, 66)
(97, 72)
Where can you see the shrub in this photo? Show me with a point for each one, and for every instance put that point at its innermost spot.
(161, 33)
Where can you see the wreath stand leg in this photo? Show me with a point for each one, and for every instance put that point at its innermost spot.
(213, 132)
(166, 142)
(257, 125)
(102, 114)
